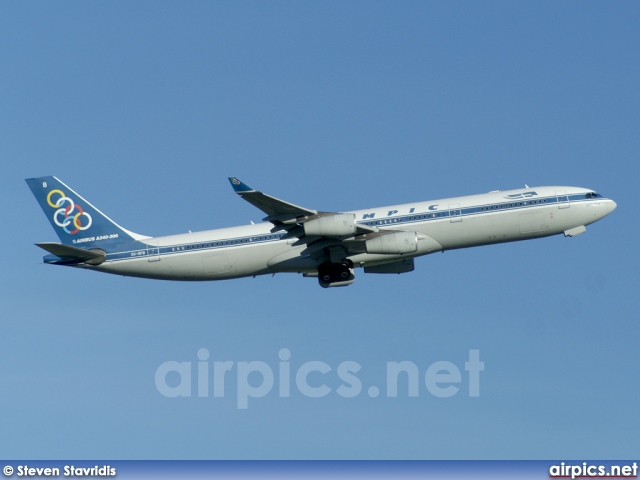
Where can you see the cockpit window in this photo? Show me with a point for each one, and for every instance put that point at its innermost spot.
(593, 195)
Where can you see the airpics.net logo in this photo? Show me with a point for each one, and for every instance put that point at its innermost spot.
(314, 379)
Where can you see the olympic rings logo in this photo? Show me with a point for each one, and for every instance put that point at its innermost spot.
(65, 217)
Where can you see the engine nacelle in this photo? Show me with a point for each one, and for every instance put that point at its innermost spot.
(339, 225)
(395, 243)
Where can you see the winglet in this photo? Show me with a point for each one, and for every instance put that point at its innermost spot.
(238, 186)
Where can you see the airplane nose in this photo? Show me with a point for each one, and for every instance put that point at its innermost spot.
(612, 206)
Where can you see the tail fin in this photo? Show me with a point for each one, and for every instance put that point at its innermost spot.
(76, 221)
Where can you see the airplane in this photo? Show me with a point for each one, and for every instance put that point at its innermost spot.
(294, 239)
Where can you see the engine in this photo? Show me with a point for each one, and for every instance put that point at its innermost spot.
(394, 243)
(339, 225)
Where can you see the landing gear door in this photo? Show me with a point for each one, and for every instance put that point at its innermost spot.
(455, 214)
(563, 199)
(153, 252)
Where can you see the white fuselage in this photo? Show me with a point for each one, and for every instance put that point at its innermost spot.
(451, 223)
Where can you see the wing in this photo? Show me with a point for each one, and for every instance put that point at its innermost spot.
(312, 227)
(334, 236)
(278, 211)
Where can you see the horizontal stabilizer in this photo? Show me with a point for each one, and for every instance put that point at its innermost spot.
(74, 254)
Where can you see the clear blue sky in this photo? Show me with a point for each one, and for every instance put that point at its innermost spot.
(145, 108)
